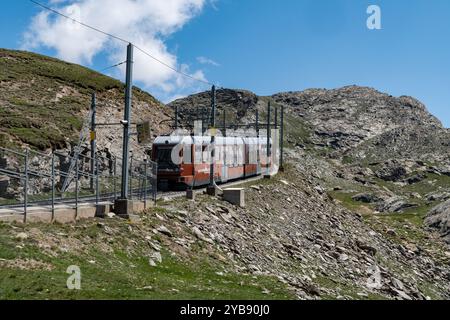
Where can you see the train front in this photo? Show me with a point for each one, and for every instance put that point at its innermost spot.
(168, 154)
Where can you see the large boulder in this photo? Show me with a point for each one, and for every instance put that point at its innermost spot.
(439, 218)
(392, 171)
(366, 198)
(395, 204)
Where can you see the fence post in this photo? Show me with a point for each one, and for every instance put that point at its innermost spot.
(53, 187)
(25, 189)
(76, 187)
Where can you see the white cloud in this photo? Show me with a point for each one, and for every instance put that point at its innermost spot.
(146, 23)
(204, 60)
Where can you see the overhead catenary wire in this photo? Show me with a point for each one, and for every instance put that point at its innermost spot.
(122, 40)
(113, 66)
(172, 68)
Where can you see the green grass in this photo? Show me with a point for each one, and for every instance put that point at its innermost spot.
(346, 199)
(345, 289)
(124, 274)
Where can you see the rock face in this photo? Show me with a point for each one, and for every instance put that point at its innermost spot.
(365, 122)
(439, 218)
(393, 171)
(236, 102)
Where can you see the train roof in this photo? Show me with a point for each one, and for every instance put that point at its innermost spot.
(174, 140)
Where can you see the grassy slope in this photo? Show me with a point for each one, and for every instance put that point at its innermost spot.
(29, 110)
(123, 272)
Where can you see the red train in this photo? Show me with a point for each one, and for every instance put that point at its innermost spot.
(185, 160)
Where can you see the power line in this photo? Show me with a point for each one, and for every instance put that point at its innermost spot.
(116, 65)
(79, 22)
(122, 40)
(172, 68)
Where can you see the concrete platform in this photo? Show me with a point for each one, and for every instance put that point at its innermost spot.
(65, 213)
(235, 196)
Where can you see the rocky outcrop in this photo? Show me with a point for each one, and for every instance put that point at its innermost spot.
(345, 117)
(439, 219)
(239, 105)
(395, 204)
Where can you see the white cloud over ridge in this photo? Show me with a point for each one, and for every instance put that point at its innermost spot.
(146, 23)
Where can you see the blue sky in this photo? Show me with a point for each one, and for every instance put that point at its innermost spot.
(269, 46)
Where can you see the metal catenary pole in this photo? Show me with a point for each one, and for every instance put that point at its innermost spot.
(127, 123)
(224, 123)
(145, 184)
(258, 154)
(257, 123)
(276, 118)
(268, 139)
(25, 189)
(76, 187)
(53, 187)
(93, 138)
(213, 135)
(130, 192)
(282, 140)
(115, 178)
(176, 118)
(155, 182)
(97, 182)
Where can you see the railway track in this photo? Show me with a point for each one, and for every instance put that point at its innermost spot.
(89, 200)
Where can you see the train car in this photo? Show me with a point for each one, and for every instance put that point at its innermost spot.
(184, 161)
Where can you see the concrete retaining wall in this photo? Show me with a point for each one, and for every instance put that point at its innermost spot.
(67, 214)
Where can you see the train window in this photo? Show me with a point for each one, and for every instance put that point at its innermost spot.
(164, 158)
(241, 154)
(205, 154)
(198, 154)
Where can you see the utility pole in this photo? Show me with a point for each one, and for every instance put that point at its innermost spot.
(258, 146)
(212, 190)
(123, 206)
(282, 141)
(224, 123)
(176, 118)
(267, 176)
(257, 123)
(276, 118)
(93, 138)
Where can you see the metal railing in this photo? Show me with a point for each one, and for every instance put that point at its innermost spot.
(39, 179)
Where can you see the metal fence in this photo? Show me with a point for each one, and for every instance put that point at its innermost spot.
(30, 178)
